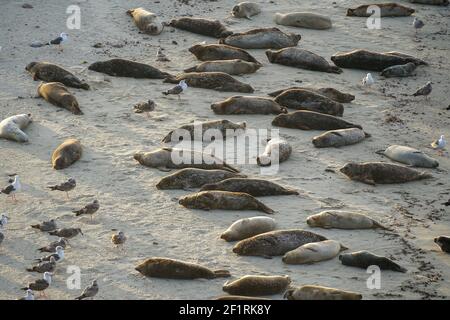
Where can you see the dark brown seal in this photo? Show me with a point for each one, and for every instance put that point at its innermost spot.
(66, 154)
(331, 93)
(251, 285)
(128, 68)
(365, 259)
(50, 72)
(262, 38)
(254, 187)
(57, 94)
(386, 10)
(309, 120)
(247, 105)
(211, 52)
(206, 27)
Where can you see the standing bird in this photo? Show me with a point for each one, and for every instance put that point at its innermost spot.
(118, 239)
(44, 266)
(3, 221)
(61, 242)
(417, 24)
(13, 187)
(66, 232)
(40, 284)
(45, 226)
(424, 91)
(88, 209)
(59, 40)
(89, 292)
(368, 80)
(58, 255)
(28, 296)
(160, 56)
(439, 144)
(178, 89)
(65, 186)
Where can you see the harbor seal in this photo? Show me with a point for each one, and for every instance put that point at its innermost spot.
(409, 156)
(193, 178)
(403, 70)
(57, 94)
(245, 9)
(432, 2)
(250, 285)
(146, 21)
(66, 154)
(342, 220)
(314, 252)
(232, 67)
(128, 68)
(364, 259)
(50, 72)
(386, 10)
(307, 20)
(211, 52)
(206, 27)
(254, 187)
(379, 172)
(157, 267)
(247, 105)
(339, 138)
(210, 200)
(248, 227)
(262, 38)
(218, 81)
(275, 243)
(300, 99)
(301, 58)
(276, 148)
(320, 293)
(330, 93)
(234, 297)
(310, 120)
(443, 242)
(11, 127)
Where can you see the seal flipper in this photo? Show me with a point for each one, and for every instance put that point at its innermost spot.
(222, 274)
(264, 208)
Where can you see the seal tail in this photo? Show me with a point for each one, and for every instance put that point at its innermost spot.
(193, 69)
(380, 152)
(367, 135)
(264, 208)
(291, 191)
(222, 274)
(399, 268)
(85, 86)
(230, 168)
(35, 226)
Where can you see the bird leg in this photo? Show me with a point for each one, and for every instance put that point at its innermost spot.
(67, 195)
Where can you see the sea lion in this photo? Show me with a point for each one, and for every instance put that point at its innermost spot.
(300, 99)
(247, 105)
(443, 242)
(174, 158)
(320, 293)
(245, 10)
(379, 172)
(176, 269)
(313, 252)
(209, 200)
(233, 67)
(342, 220)
(11, 127)
(57, 94)
(330, 93)
(128, 68)
(432, 2)
(193, 178)
(206, 27)
(50, 72)
(211, 52)
(218, 81)
(234, 297)
(146, 21)
(275, 243)
(339, 138)
(276, 148)
(403, 70)
(248, 227)
(254, 187)
(307, 20)
(262, 38)
(257, 285)
(301, 58)
(386, 10)
(310, 120)
(205, 131)
(66, 154)
(409, 156)
(364, 259)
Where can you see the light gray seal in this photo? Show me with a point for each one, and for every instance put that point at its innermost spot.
(307, 20)
(12, 128)
(409, 156)
(254, 187)
(339, 138)
(245, 9)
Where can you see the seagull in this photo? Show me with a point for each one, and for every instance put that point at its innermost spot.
(41, 284)
(118, 239)
(439, 144)
(58, 255)
(178, 89)
(59, 40)
(424, 91)
(28, 296)
(66, 232)
(13, 187)
(368, 80)
(417, 24)
(88, 209)
(160, 56)
(3, 221)
(65, 186)
(61, 242)
(44, 266)
(89, 292)
(45, 226)
(144, 107)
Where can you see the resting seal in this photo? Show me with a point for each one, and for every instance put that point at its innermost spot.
(262, 38)
(209, 52)
(409, 156)
(342, 220)
(330, 93)
(232, 67)
(386, 10)
(127, 68)
(303, 20)
(314, 252)
(257, 285)
(206, 27)
(50, 72)
(245, 10)
(275, 149)
(403, 70)
(320, 293)
(247, 105)
(57, 94)
(11, 128)
(254, 187)
(146, 21)
(66, 154)
(309, 120)
(248, 227)
(365, 259)
(339, 138)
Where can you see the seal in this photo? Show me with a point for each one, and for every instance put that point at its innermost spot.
(57, 94)
(403, 70)
(307, 20)
(66, 154)
(128, 68)
(211, 52)
(339, 138)
(432, 2)
(365, 259)
(234, 297)
(262, 38)
(232, 67)
(146, 21)
(245, 9)
(11, 127)
(275, 149)
(250, 285)
(320, 293)
(386, 10)
(342, 220)
(209, 200)
(156, 267)
(206, 27)
(194, 178)
(247, 105)
(314, 252)
(275, 243)
(301, 58)
(164, 158)
(382, 173)
(248, 227)
(310, 120)
(330, 93)
(409, 156)
(300, 99)
(50, 72)
(218, 81)
(254, 187)
(443, 242)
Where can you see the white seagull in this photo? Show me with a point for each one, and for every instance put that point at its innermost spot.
(368, 80)
(13, 187)
(63, 37)
(439, 144)
(178, 89)
(58, 255)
